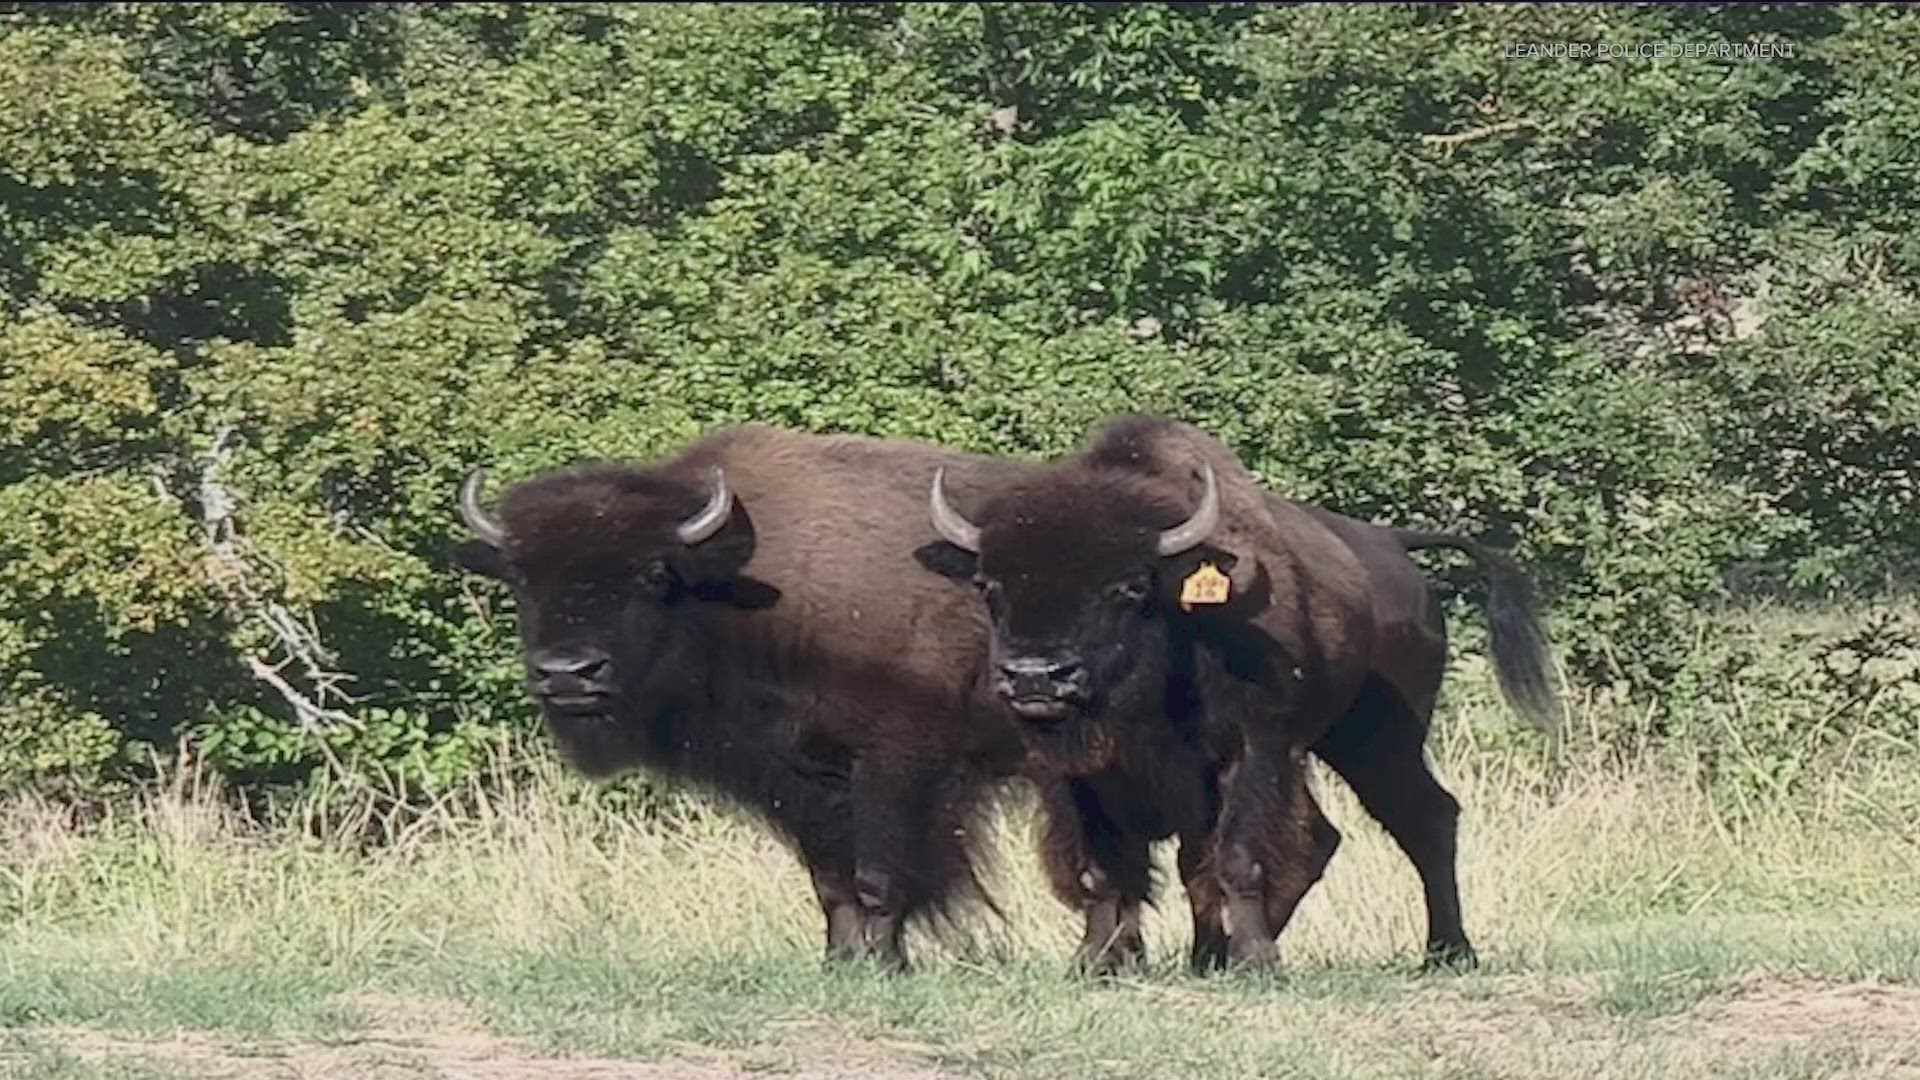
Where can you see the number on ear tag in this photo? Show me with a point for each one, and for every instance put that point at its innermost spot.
(1206, 585)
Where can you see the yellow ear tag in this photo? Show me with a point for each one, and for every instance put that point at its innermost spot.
(1206, 585)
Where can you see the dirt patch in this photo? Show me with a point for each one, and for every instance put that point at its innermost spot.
(416, 1040)
(1880, 1020)
(1527, 1025)
(1788, 1009)
(1518, 1026)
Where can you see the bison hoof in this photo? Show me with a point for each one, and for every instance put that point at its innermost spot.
(877, 955)
(1258, 954)
(1114, 958)
(1207, 958)
(892, 961)
(1449, 957)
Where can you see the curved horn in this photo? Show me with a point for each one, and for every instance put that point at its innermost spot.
(484, 525)
(711, 516)
(1189, 533)
(953, 528)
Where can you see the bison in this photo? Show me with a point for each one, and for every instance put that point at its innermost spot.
(746, 615)
(1173, 638)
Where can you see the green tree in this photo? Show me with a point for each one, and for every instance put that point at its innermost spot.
(273, 276)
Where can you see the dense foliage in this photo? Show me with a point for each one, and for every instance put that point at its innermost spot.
(273, 276)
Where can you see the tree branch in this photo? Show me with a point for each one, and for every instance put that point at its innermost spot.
(1460, 138)
(235, 567)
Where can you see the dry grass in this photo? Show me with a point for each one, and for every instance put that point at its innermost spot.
(1629, 922)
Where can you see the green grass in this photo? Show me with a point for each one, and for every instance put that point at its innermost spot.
(23, 1057)
(1631, 924)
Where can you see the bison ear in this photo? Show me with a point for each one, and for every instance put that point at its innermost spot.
(717, 560)
(480, 557)
(1175, 569)
(745, 592)
(948, 560)
(1251, 593)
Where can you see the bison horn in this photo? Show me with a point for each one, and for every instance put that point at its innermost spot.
(711, 516)
(955, 529)
(1187, 534)
(484, 526)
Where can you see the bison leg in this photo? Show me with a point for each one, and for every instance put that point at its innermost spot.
(827, 851)
(1098, 869)
(1271, 845)
(1112, 940)
(1311, 842)
(1206, 900)
(840, 903)
(1249, 939)
(884, 911)
(1377, 749)
(893, 841)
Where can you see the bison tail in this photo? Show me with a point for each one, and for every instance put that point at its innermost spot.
(1519, 639)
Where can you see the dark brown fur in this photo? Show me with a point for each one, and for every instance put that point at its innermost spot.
(795, 662)
(1198, 720)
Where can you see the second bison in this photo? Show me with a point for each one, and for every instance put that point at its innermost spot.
(1173, 637)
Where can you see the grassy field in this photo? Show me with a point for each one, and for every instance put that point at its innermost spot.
(1632, 926)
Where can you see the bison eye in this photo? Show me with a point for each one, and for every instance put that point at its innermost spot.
(657, 578)
(1132, 590)
(989, 591)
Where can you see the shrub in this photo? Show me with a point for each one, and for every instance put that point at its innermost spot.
(275, 275)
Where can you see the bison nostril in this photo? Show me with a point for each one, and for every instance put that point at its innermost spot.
(581, 664)
(1024, 667)
(1043, 671)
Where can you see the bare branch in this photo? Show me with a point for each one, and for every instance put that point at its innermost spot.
(1460, 138)
(235, 567)
(311, 715)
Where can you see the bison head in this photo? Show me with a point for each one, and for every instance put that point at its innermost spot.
(1079, 570)
(603, 561)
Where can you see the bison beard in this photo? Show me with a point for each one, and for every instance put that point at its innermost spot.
(1195, 724)
(745, 616)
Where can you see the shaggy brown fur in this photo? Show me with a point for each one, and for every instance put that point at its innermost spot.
(1194, 723)
(795, 661)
